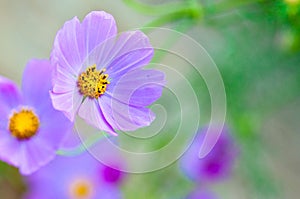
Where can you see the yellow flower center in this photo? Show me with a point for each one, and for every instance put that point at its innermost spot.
(92, 83)
(23, 124)
(81, 189)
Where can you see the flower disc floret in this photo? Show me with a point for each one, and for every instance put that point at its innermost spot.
(92, 83)
(24, 124)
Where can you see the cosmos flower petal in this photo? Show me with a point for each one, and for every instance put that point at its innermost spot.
(32, 159)
(32, 152)
(52, 125)
(37, 85)
(111, 192)
(128, 51)
(10, 147)
(28, 156)
(74, 40)
(37, 194)
(111, 171)
(124, 117)
(98, 26)
(217, 164)
(67, 46)
(138, 87)
(68, 103)
(37, 93)
(92, 114)
(50, 183)
(200, 193)
(64, 81)
(10, 96)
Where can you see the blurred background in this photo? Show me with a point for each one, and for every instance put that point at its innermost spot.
(256, 47)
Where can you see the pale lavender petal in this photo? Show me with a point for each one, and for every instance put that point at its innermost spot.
(68, 45)
(138, 87)
(51, 181)
(74, 40)
(9, 148)
(68, 103)
(92, 114)
(54, 127)
(65, 95)
(27, 155)
(34, 155)
(124, 117)
(111, 171)
(36, 83)
(10, 96)
(102, 192)
(71, 140)
(201, 193)
(9, 99)
(108, 192)
(64, 81)
(98, 26)
(129, 51)
(40, 192)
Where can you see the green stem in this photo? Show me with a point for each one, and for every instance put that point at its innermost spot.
(228, 6)
(192, 10)
(154, 10)
(82, 147)
(172, 17)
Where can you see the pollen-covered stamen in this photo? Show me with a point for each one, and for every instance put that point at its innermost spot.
(23, 124)
(92, 83)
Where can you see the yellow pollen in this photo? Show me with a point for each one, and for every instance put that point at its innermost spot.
(23, 124)
(81, 189)
(92, 83)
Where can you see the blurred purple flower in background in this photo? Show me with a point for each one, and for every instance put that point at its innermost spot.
(31, 129)
(111, 175)
(79, 177)
(100, 76)
(201, 193)
(217, 165)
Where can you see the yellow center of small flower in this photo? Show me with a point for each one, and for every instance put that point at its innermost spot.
(81, 189)
(92, 83)
(24, 124)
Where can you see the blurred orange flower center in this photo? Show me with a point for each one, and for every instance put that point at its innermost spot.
(81, 189)
(92, 83)
(24, 124)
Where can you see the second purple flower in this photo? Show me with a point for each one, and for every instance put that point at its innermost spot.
(99, 75)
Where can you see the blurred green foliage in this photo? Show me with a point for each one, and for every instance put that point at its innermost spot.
(259, 65)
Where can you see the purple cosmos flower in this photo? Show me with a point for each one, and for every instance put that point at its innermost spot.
(200, 193)
(79, 177)
(31, 129)
(99, 74)
(216, 165)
